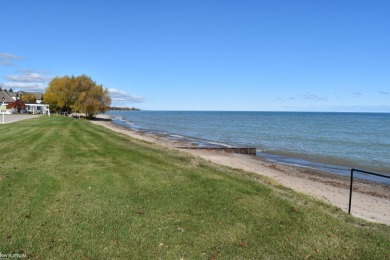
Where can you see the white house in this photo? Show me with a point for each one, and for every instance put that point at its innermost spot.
(37, 108)
(7, 97)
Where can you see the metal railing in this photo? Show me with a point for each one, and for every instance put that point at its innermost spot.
(350, 186)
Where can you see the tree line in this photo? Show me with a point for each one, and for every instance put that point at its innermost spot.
(77, 95)
(125, 108)
(10, 90)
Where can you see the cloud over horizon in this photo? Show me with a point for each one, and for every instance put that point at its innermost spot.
(120, 97)
(26, 86)
(27, 80)
(28, 77)
(312, 97)
(307, 96)
(37, 81)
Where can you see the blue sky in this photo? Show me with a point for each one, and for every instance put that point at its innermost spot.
(205, 55)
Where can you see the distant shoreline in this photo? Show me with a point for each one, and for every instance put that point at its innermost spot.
(124, 109)
(371, 201)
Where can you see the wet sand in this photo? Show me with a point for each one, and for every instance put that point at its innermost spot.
(370, 201)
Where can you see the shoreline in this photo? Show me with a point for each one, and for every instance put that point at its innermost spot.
(326, 161)
(370, 201)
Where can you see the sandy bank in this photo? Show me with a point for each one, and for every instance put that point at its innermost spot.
(369, 201)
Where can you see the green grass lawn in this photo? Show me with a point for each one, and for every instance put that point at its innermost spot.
(73, 190)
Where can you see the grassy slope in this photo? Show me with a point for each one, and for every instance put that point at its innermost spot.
(76, 190)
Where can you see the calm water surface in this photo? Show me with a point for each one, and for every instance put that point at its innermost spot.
(332, 141)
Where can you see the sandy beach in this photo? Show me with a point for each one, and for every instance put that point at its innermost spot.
(369, 201)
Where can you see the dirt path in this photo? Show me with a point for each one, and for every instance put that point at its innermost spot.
(15, 118)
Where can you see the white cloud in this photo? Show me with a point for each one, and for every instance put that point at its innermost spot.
(6, 59)
(28, 77)
(7, 56)
(384, 93)
(307, 96)
(27, 86)
(6, 63)
(27, 71)
(120, 97)
(27, 80)
(312, 97)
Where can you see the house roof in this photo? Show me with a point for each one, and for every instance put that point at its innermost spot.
(37, 95)
(7, 98)
(12, 94)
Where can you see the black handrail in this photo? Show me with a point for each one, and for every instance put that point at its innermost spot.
(350, 186)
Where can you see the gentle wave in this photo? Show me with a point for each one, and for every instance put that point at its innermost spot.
(346, 140)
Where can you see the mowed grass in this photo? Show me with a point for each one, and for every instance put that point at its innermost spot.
(73, 190)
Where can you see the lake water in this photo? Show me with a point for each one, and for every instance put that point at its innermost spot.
(335, 142)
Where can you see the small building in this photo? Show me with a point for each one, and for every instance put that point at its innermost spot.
(13, 95)
(8, 97)
(37, 109)
(5, 99)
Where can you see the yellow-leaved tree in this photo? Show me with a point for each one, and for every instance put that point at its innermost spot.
(77, 94)
(28, 98)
